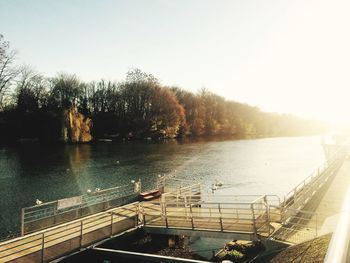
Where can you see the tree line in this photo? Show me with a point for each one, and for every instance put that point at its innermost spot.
(31, 106)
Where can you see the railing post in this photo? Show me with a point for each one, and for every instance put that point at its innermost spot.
(253, 219)
(81, 233)
(316, 224)
(267, 207)
(295, 196)
(191, 216)
(42, 247)
(111, 224)
(166, 216)
(220, 218)
(22, 222)
(138, 212)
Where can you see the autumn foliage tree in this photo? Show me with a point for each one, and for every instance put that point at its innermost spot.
(138, 107)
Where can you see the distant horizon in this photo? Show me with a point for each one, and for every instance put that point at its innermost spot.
(280, 56)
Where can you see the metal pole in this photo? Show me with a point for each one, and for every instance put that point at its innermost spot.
(42, 247)
(191, 216)
(81, 233)
(166, 216)
(316, 224)
(268, 220)
(138, 212)
(22, 221)
(253, 219)
(220, 218)
(111, 224)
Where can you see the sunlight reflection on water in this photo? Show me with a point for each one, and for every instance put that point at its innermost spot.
(259, 166)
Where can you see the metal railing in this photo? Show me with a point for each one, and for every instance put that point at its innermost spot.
(55, 242)
(48, 214)
(248, 217)
(298, 197)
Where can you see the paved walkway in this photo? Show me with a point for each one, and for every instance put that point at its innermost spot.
(330, 205)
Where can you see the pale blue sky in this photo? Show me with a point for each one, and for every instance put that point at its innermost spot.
(286, 56)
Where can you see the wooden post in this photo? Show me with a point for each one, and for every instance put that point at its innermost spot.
(220, 218)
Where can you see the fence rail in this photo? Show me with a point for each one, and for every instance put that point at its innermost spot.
(299, 196)
(249, 217)
(53, 213)
(55, 242)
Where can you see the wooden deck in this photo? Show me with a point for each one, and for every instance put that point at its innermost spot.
(57, 241)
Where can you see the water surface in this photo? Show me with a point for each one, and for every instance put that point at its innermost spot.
(257, 166)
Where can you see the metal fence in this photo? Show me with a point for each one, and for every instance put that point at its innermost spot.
(55, 242)
(300, 195)
(244, 217)
(49, 214)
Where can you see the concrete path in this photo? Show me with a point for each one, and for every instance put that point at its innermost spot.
(330, 205)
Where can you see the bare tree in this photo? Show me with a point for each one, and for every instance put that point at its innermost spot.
(30, 90)
(7, 72)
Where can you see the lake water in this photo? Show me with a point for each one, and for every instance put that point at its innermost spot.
(256, 166)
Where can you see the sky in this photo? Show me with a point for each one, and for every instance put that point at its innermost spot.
(287, 56)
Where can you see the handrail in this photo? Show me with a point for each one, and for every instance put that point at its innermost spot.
(339, 246)
(44, 239)
(304, 190)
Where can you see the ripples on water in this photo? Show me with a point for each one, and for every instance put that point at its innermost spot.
(259, 166)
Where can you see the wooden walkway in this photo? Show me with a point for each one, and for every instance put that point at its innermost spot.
(55, 242)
